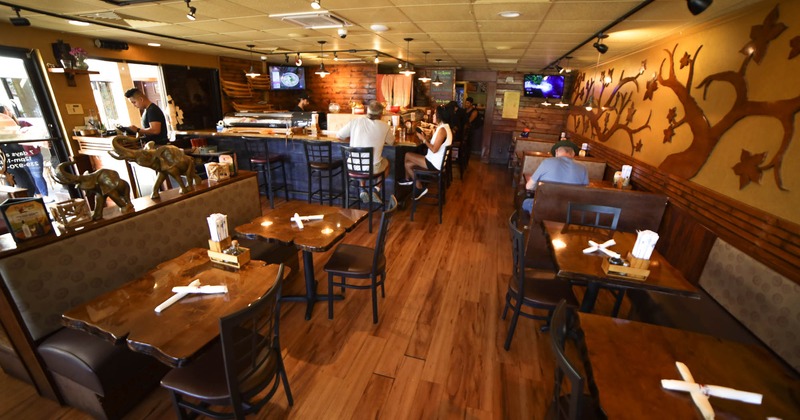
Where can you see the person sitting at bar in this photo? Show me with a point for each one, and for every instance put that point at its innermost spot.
(302, 103)
(434, 158)
(559, 168)
(154, 123)
(370, 132)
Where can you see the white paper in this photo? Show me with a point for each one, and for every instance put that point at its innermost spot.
(176, 297)
(645, 244)
(218, 226)
(207, 289)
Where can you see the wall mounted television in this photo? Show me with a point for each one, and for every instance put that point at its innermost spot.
(543, 86)
(287, 77)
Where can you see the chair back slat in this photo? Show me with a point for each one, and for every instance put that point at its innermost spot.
(358, 159)
(593, 215)
(318, 151)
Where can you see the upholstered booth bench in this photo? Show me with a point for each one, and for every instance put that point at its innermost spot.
(46, 279)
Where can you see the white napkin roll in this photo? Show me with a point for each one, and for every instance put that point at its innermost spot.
(297, 219)
(712, 390)
(700, 399)
(208, 289)
(176, 297)
(602, 247)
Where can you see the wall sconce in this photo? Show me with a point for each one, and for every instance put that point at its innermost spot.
(698, 6)
(599, 46)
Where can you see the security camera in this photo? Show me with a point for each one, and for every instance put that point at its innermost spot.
(342, 33)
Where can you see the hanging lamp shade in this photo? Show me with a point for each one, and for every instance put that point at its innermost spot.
(321, 72)
(407, 71)
(425, 78)
(436, 80)
(252, 72)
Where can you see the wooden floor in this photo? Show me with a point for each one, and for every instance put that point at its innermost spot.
(437, 351)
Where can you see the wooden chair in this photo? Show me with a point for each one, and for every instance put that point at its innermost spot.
(575, 404)
(321, 165)
(430, 177)
(360, 262)
(359, 169)
(543, 292)
(605, 217)
(238, 370)
(264, 163)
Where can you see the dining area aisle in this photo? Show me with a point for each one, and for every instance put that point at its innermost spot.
(437, 351)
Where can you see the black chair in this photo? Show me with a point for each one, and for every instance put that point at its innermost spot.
(542, 292)
(573, 404)
(359, 170)
(604, 217)
(321, 165)
(237, 370)
(264, 162)
(429, 178)
(360, 262)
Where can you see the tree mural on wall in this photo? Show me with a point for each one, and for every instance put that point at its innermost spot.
(705, 136)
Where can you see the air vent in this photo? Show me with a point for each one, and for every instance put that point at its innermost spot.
(313, 20)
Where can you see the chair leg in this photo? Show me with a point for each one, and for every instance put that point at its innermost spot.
(413, 202)
(374, 291)
(330, 296)
(268, 180)
(383, 280)
(308, 182)
(508, 304)
(285, 181)
(284, 379)
(513, 326)
(620, 295)
(441, 198)
(176, 403)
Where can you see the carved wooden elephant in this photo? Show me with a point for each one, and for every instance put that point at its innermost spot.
(166, 160)
(102, 183)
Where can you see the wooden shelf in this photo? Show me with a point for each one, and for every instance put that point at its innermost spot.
(70, 73)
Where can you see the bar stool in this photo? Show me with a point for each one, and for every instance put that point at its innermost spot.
(320, 164)
(359, 169)
(432, 177)
(263, 162)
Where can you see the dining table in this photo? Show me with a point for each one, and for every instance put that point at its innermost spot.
(567, 242)
(315, 235)
(629, 359)
(182, 330)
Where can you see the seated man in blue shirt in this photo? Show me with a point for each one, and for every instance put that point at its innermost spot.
(560, 168)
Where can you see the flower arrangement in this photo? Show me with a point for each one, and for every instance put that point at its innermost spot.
(79, 53)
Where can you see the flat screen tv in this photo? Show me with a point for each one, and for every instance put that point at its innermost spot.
(287, 77)
(543, 86)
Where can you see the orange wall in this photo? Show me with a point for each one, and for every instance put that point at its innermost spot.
(774, 79)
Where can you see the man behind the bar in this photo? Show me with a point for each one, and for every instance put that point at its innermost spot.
(370, 132)
(560, 168)
(154, 123)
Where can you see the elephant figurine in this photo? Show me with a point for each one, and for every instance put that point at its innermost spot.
(102, 183)
(166, 160)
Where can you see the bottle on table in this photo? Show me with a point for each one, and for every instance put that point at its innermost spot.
(234, 249)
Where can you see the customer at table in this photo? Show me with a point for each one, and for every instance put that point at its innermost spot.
(303, 104)
(435, 143)
(559, 168)
(154, 123)
(370, 132)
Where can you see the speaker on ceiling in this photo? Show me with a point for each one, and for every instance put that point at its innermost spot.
(111, 44)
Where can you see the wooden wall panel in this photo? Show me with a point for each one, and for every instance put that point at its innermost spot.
(773, 241)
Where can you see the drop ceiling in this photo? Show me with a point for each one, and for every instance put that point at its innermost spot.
(468, 34)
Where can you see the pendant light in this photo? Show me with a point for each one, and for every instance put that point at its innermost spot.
(425, 79)
(321, 72)
(252, 72)
(406, 70)
(436, 81)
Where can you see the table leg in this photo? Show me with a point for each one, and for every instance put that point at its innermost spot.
(311, 297)
(590, 297)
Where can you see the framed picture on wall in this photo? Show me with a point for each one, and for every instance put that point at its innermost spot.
(26, 218)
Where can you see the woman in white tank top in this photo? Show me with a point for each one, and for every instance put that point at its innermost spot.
(433, 159)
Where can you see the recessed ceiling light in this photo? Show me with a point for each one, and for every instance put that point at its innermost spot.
(379, 28)
(78, 23)
(296, 35)
(154, 44)
(503, 47)
(502, 60)
(509, 14)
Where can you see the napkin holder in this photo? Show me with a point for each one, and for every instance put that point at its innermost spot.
(219, 246)
(637, 270)
(227, 261)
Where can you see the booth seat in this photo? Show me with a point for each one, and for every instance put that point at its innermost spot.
(96, 376)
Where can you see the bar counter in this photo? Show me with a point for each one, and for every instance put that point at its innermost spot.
(292, 148)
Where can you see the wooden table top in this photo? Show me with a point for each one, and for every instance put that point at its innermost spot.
(178, 332)
(629, 359)
(316, 235)
(569, 241)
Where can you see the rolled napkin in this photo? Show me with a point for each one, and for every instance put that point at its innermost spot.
(312, 217)
(207, 289)
(218, 226)
(645, 244)
(297, 219)
(700, 399)
(176, 297)
(602, 248)
(712, 390)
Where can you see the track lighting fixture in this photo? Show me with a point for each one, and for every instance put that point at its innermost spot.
(566, 69)
(321, 72)
(252, 72)
(407, 71)
(315, 5)
(558, 68)
(425, 78)
(287, 58)
(298, 61)
(599, 46)
(377, 60)
(436, 81)
(192, 11)
(19, 20)
(698, 6)
(335, 57)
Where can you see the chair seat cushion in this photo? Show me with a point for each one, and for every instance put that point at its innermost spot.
(544, 292)
(325, 166)
(260, 159)
(364, 175)
(353, 260)
(94, 362)
(204, 377)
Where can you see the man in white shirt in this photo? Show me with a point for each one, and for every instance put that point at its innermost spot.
(370, 132)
